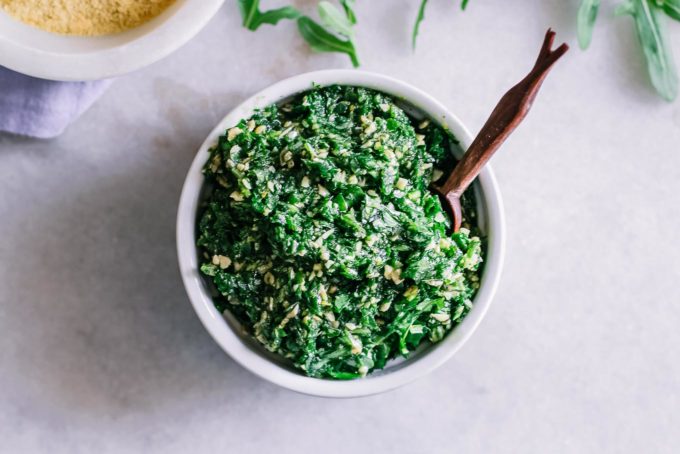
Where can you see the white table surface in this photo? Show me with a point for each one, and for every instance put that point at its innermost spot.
(101, 351)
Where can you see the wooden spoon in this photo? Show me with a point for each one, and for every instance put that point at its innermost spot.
(508, 114)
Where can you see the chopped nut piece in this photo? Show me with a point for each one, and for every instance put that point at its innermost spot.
(215, 163)
(411, 292)
(224, 262)
(356, 344)
(370, 129)
(388, 272)
(269, 278)
(441, 317)
(323, 191)
(233, 132)
(385, 306)
(237, 196)
(437, 174)
(396, 276)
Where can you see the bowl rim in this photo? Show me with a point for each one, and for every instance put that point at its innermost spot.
(235, 346)
(166, 34)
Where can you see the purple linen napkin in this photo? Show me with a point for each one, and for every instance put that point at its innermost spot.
(43, 108)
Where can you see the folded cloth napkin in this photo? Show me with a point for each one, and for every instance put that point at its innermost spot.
(43, 108)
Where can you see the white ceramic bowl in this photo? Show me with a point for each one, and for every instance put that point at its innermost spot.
(38, 53)
(247, 352)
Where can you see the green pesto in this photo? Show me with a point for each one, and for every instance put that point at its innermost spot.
(320, 236)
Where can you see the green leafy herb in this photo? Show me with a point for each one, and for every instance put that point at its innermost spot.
(321, 39)
(335, 20)
(348, 6)
(671, 8)
(320, 236)
(335, 33)
(421, 16)
(587, 15)
(651, 33)
(336, 36)
(253, 17)
(419, 19)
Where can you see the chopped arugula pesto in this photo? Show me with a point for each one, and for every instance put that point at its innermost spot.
(321, 237)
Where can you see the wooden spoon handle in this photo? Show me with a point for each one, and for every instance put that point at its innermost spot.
(508, 114)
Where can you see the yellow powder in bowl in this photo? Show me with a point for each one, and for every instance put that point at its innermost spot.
(85, 17)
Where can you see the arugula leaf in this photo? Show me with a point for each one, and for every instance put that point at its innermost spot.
(321, 40)
(672, 8)
(348, 6)
(253, 17)
(651, 33)
(421, 16)
(419, 19)
(587, 15)
(335, 20)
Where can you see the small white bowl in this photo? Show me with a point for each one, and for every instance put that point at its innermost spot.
(38, 53)
(252, 356)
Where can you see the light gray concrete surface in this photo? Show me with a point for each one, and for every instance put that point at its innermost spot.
(101, 351)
